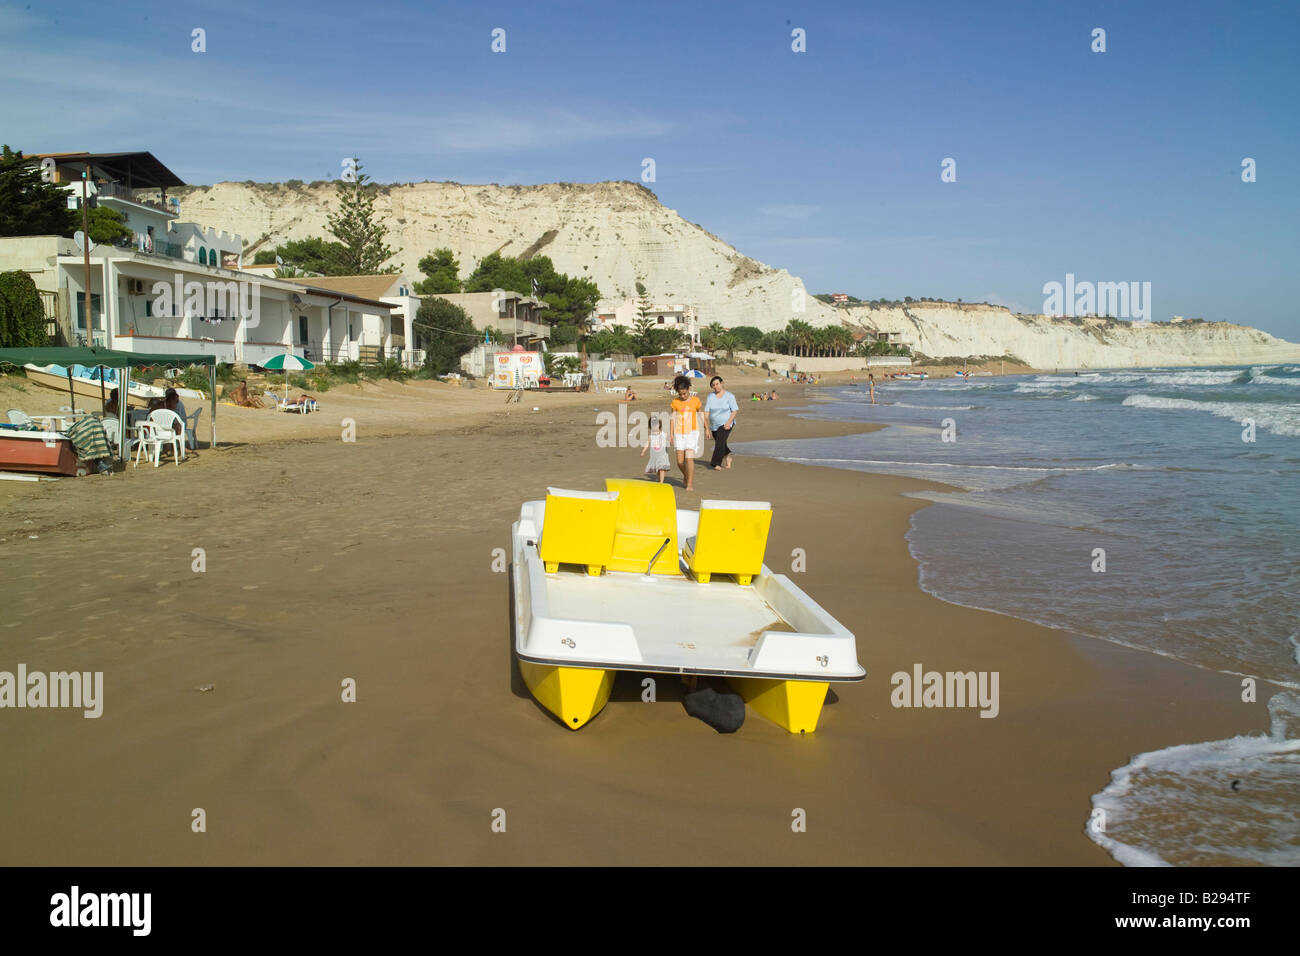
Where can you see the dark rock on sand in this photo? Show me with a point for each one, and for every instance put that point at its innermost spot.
(720, 708)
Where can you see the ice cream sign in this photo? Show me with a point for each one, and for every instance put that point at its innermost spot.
(516, 369)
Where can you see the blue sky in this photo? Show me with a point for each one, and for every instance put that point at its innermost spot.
(1115, 166)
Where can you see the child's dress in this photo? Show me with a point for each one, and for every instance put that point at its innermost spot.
(657, 460)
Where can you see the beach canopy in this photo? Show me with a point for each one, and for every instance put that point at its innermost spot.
(91, 356)
(288, 362)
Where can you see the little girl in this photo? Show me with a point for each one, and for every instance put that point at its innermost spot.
(657, 445)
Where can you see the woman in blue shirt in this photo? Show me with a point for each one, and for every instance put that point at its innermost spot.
(721, 408)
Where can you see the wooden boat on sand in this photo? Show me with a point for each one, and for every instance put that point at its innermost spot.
(624, 580)
(91, 389)
(44, 452)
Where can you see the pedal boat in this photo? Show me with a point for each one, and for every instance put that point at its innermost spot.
(623, 580)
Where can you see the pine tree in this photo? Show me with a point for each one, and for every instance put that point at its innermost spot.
(643, 301)
(29, 206)
(358, 231)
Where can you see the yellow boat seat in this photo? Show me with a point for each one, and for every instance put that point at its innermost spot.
(578, 528)
(731, 539)
(647, 515)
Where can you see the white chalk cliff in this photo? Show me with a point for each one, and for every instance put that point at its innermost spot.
(942, 329)
(618, 233)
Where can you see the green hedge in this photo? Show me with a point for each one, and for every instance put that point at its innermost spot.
(22, 317)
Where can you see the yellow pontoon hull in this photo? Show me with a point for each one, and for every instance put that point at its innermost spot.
(795, 705)
(573, 694)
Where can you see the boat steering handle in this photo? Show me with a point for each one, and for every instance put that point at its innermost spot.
(657, 553)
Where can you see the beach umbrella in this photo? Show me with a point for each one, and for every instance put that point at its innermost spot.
(290, 363)
(694, 373)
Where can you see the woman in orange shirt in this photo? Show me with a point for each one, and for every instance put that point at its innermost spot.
(686, 428)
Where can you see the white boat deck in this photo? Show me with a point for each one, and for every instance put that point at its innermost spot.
(678, 623)
(669, 624)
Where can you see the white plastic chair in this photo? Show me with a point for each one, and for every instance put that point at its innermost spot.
(192, 429)
(159, 430)
(146, 442)
(114, 437)
(18, 417)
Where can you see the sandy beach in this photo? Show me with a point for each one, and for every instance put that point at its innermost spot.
(374, 560)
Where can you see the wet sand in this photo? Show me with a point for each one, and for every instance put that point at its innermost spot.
(374, 560)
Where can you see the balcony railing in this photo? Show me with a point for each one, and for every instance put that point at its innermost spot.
(158, 247)
(118, 191)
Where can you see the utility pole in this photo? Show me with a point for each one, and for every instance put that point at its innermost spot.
(85, 250)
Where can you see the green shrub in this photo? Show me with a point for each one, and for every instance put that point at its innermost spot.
(321, 381)
(22, 317)
(197, 377)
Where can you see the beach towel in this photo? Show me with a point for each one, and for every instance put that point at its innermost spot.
(89, 439)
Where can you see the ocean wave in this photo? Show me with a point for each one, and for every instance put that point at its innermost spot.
(1084, 398)
(1031, 389)
(937, 408)
(1188, 377)
(1275, 375)
(1278, 419)
(1188, 804)
(954, 464)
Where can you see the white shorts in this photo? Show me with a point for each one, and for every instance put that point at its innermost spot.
(689, 442)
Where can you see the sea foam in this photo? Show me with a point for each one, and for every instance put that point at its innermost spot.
(1275, 418)
(1221, 803)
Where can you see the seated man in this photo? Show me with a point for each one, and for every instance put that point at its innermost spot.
(172, 402)
(241, 397)
(111, 407)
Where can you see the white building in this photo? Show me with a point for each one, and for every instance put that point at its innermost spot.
(626, 312)
(126, 183)
(393, 290)
(176, 287)
(159, 304)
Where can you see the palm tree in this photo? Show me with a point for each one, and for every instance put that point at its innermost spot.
(710, 334)
(729, 342)
(841, 340)
(821, 338)
(800, 333)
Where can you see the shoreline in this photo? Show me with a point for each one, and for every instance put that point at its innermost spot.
(387, 578)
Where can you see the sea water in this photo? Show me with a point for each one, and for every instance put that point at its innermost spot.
(1184, 486)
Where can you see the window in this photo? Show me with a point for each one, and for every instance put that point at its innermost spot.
(203, 256)
(661, 320)
(94, 311)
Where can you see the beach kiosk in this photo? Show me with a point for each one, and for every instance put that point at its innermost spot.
(517, 368)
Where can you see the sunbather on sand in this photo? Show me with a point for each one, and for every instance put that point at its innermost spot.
(240, 396)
